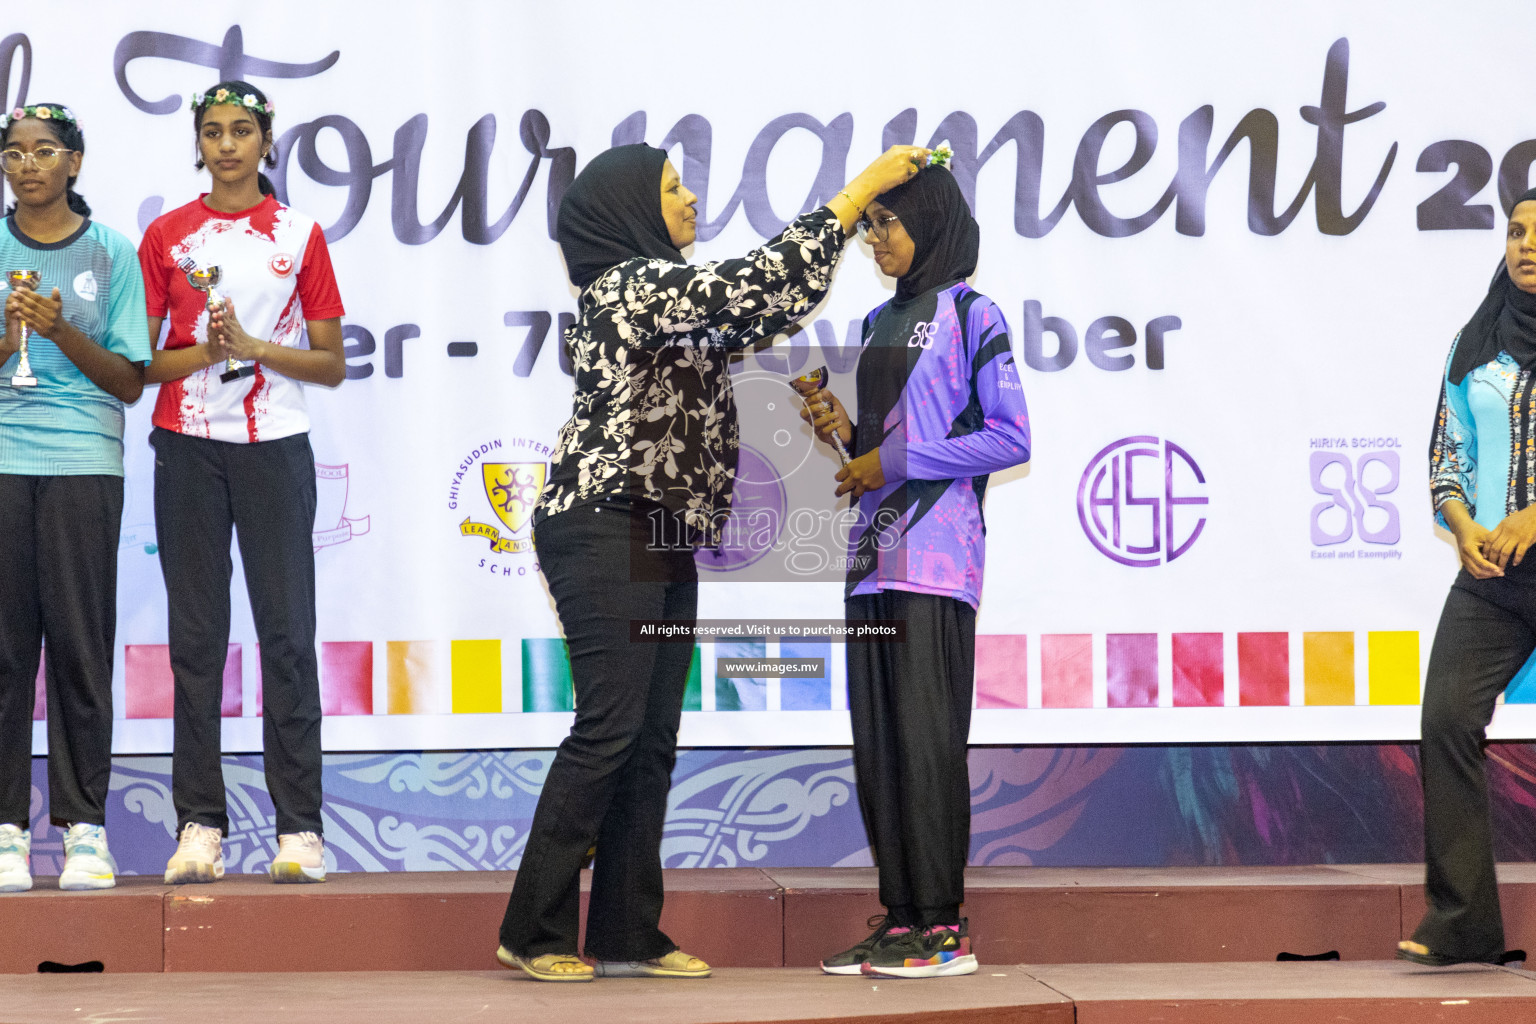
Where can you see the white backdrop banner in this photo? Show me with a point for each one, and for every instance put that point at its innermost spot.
(1233, 244)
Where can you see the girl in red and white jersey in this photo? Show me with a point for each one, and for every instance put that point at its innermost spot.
(232, 454)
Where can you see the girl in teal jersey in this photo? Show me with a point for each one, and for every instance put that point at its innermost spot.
(61, 487)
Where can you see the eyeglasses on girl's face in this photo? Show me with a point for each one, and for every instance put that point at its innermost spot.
(877, 228)
(44, 158)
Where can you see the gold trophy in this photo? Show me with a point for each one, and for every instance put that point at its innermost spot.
(806, 386)
(23, 378)
(204, 279)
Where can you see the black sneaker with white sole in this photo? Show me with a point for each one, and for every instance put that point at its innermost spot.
(853, 959)
(937, 951)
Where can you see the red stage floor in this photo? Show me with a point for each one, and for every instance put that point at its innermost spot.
(1233, 993)
(1078, 946)
(745, 917)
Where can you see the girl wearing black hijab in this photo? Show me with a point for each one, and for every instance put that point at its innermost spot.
(1482, 472)
(940, 407)
(641, 476)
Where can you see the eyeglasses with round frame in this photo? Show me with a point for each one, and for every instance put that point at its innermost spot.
(878, 230)
(44, 158)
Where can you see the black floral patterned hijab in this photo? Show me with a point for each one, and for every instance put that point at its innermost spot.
(1505, 320)
(945, 237)
(612, 213)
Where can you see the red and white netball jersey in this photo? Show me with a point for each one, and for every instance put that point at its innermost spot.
(275, 268)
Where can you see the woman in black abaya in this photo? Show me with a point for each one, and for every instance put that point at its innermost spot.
(1482, 478)
(641, 476)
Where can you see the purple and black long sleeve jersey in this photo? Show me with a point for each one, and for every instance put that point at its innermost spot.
(940, 395)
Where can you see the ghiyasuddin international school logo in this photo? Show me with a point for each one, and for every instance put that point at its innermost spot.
(1141, 501)
(488, 482)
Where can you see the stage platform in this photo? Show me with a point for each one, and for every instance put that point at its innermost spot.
(741, 917)
(1234, 993)
(1076, 946)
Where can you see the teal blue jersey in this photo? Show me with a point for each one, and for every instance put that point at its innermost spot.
(67, 426)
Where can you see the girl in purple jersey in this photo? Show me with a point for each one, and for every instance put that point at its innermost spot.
(940, 407)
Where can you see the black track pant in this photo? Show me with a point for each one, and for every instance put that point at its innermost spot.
(58, 583)
(911, 709)
(1486, 632)
(265, 494)
(609, 780)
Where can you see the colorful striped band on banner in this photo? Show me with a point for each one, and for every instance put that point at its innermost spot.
(1328, 668)
(693, 696)
(1131, 669)
(346, 677)
(1199, 670)
(150, 686)
(433, 677)
(547, 676)
(1263, 669)
(1394, 661)
(1066, 670)
(809, 693)
(1002, 671)
(1522, 689)
(747, 693)
(476, 675)
(411, 671)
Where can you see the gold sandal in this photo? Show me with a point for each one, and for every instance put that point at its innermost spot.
(1418, 953)
(548, 967)
(675, 964)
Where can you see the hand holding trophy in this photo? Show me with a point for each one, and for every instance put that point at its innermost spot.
(204, 279)
(808, 386)
(28, 279)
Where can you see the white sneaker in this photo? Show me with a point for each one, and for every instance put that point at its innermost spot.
(87, 863)
(199, 857)
(300, 858)
(15, 859)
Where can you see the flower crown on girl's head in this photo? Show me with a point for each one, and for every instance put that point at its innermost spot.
(941, 155)
(42, 113)
(221, 96)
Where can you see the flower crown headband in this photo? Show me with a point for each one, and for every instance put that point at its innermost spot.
(222, 96)
(41, 113)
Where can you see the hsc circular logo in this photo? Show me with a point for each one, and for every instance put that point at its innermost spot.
(1136, 501)
(756, 518)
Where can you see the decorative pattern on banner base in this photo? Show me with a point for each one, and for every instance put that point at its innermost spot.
(1104, 806)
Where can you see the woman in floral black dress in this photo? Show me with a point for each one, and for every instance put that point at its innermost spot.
(641, 476)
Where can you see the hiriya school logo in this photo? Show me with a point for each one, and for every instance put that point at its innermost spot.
(922, 334)
(85, 286)
(281, 264)
(510, 491)
(332, 524)
(1138, 498)
(1353, 473)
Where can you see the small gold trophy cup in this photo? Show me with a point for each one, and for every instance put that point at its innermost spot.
(204, 279)
(806, 386)
(23, 378)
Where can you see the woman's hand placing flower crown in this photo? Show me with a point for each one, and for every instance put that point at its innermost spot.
(891, 168)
